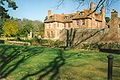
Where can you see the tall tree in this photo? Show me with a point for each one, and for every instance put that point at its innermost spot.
(10, 28)
(3, 11)
(107, 19)
(25, 30)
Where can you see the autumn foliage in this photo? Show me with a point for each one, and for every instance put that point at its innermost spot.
(10, 28)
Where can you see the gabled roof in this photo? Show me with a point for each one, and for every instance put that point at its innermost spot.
(115, 20)
(60, 18)
(84, 14)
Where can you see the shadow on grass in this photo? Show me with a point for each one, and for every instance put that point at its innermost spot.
(114, 51)
(116, 73)
(11, 57)
(52, 68)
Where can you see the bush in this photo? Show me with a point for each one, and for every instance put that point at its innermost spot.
(48, 43)
(94, 46)
(85, 46)
(58, 43)
(35, 41)
(18, 39)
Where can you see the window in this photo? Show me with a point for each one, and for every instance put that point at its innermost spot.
(81, 13)
(48, 34)
(66, 17)
(69, 25)
(51, 17)
(108, 26)
(52, 34)
(83, 22)
(54, 25)
(71, 16)
(64, 24)
(57, 24)
(49, 25)
(77, 22)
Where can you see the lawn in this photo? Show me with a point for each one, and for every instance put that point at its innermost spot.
(41, 63)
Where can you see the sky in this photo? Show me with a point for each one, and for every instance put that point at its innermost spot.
(38, 9)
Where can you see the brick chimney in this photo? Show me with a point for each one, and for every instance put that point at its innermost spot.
(49, 13)
(114, 13)
(102, 9)
(92, 6)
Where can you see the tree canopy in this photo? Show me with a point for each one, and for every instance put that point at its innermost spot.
(3, 11)
(25, 30)
(10, 28)
(26, 26)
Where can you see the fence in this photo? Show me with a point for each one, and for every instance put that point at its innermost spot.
(110, 67)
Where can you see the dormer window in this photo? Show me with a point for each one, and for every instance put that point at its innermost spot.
(71, 16)
(51, 17)
(81, 13)
(66, 17)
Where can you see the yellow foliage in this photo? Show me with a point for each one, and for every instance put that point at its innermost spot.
(10, 28)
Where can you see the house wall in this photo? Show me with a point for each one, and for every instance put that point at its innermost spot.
(106, 35)
(68, 25)
(89, 24)
(52, 30)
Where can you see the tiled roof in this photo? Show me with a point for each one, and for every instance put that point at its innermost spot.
(115, 20)
(84, 14)
(60, 18)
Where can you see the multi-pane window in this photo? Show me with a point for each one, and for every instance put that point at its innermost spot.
(51, 17)
(66, 17)
(71, 17)
(52, 34)
(49, 25)
(83, 22)
(57, 24)
(54, 25)
(81, 13)
(48, 34)
(64, 24)
(69, 25)
(77, 22)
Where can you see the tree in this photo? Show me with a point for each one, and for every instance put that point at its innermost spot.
(41, 29)
(11, 4)
(10, 28)
(37, 27)
(46, 18)
(3, 11)
(99, 3)
(25, 30)
(107, 19)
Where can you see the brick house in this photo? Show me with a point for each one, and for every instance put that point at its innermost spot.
(114, 26)
(85, 19)
(115, 20)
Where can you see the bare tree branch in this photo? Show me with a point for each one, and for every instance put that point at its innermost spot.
(100, 3)
(60, 3)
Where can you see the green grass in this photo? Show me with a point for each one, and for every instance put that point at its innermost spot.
(41, 63)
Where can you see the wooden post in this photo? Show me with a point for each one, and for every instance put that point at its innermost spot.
(110, 65)
(67, 40)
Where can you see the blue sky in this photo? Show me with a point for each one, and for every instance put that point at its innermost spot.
(37, 9)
